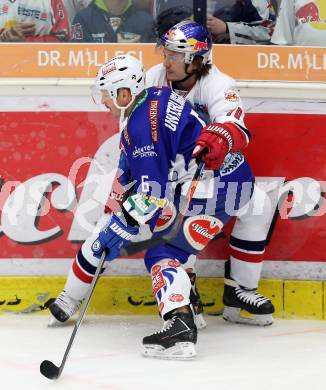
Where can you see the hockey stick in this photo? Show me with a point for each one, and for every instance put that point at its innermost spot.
(150, 243)
(49, 369)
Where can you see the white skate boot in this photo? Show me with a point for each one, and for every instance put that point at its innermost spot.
(62, 309)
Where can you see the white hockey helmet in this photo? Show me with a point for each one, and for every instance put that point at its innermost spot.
(123, 71)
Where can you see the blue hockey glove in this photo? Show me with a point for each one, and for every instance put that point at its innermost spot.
(113, 237)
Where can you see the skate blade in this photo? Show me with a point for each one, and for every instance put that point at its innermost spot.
(216, 313)
(180, 351)
(54, 323)
(198, 318)
(200, 321)
(238, 316)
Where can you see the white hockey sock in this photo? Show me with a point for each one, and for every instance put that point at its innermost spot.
(82, 271)
(75, 287)
(171, 285)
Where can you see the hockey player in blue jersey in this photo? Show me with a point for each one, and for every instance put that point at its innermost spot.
(158, 138)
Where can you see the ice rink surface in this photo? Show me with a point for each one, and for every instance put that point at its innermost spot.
(289, 355)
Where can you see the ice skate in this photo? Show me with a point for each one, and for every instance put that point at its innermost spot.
(176, 341)
(246, 306)
(62, 309)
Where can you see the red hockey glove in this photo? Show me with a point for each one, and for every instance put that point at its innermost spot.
(216, 141)
(211, 149)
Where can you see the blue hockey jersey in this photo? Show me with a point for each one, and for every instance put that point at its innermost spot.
(157, 145)
(158, 141)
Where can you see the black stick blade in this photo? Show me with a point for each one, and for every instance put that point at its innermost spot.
(50, 370)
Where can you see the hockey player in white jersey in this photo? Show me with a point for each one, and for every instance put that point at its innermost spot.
(222, 107)
(187, 70)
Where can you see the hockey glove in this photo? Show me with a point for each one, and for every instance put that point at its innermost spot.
(113, 237)
(216, 141)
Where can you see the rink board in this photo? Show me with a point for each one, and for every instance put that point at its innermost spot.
(81, 60)
(40, 233)
(133, 296)
(50, 200)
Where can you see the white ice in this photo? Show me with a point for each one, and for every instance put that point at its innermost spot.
(288, 355)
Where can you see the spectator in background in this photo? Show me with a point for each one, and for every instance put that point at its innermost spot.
(170, 17)
(33, 21)
(301, 23)
(246, 22)
(73, 6)
(113, 21)
(163, 5)
(147, 4)
(211, 6)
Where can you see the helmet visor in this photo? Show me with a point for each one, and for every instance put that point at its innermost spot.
(98, 96)
(173, 57)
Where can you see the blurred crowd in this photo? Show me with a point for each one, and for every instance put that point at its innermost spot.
(250, 22)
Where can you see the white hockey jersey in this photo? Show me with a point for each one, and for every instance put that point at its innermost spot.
(50, 17)
(213, 96)
(301, 23)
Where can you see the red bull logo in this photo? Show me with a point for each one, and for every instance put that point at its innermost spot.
(308, 13)
(313, 13)
(231, 96)
(197, 45)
